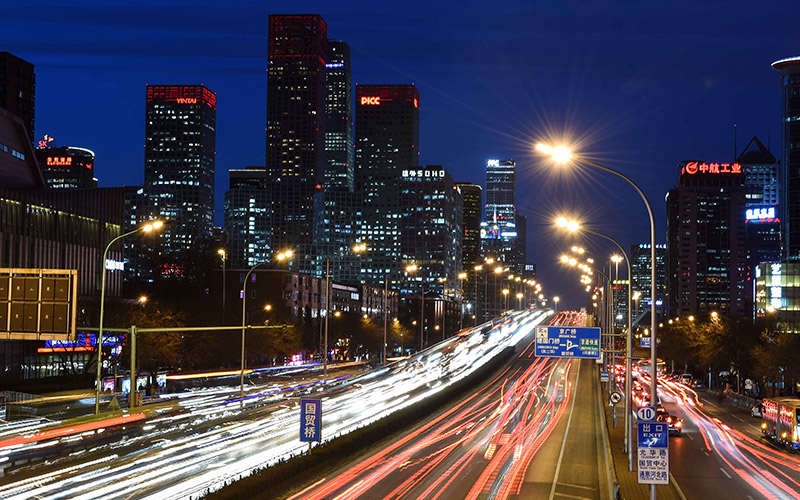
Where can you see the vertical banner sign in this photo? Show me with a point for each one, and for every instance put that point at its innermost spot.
(653, 456)
(310, 420)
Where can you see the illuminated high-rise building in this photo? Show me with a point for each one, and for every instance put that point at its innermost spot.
(18, 90)
(499, 226)
(386, 143)
(247, 218)
(473, 207)
(706, 246)
(296, 94)
(339, 168)
(179, 155)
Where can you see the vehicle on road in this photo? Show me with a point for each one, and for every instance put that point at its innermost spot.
(687, 379)
(674, 424)
(779, 421)
(757, 410)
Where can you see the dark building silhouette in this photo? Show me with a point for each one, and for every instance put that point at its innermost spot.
(386, 143)
(67, 167)
(789, 212)
(296, 93)
(18, 90)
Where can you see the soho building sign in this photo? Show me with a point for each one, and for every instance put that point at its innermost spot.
(695, 167)
(424, 173)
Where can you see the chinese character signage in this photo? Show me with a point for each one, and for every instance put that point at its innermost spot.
(653, 453)
(568, 342)
(310, 420)
(696, 167)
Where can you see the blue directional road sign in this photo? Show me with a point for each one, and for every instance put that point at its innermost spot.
(653, 453)
(645, 342)
(646, 413)
(603, 376)
(310, 420)
(568, 342)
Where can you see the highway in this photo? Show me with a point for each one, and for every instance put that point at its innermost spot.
(516, 436)
(205, 441)
(720, 453)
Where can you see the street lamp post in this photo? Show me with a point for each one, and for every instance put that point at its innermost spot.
(281, 256)
(462, 277)
(410, 269)
(555, 301)
(562, 154)
(505, 299)
(224, 255)
(146, 229)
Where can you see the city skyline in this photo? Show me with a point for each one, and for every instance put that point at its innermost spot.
(512, 100)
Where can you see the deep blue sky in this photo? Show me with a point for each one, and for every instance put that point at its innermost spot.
(639, 85)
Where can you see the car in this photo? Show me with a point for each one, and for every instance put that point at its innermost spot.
(757, 410)
(674, 423)
(687, 379)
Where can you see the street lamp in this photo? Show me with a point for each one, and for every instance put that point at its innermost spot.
(505, 298)
(462, 277)
(519, 300)
(412, 268)
(475, 298)
(143, 300)
(151, 226)
(555, 300)
(562, 155)
(285, 255)
(224, 256)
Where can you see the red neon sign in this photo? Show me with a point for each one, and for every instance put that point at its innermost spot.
(371, 101)
(186, 100)
(694, 167)
(59, 160)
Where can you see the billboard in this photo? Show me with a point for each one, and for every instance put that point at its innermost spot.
(38, 304)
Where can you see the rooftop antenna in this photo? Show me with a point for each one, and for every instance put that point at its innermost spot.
(735, 149)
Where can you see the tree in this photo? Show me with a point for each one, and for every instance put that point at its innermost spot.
(156, 351)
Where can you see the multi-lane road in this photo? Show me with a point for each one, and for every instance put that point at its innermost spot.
(519, 435)
(202, 442)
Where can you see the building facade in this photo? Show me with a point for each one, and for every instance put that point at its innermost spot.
(386, 143)
(67, 167)
(338, 221)
(339, 159)
(248, 217)
(777, 292)
(640, 277)
(18, 90)
(706, 240)
(431, 231)
(789, 212)
(499, 227)
(179, 155)
(296, 118)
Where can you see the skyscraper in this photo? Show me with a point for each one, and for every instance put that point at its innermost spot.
(339, 168)
(295, 125)
(707, 253)
(789, 212)
(338, 221)
(386, 143)
(471, 250)
(499, 226)
(179, 155)
(431, 230)
(640, 277)
(247, 217)
(18, 89)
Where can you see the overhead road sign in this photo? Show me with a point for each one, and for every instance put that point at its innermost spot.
(568, 342)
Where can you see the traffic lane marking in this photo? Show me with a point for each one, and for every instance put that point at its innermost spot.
(576, 486)
(571, 496)
(726, 473)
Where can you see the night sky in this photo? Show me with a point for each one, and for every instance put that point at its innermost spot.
(637, 85)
